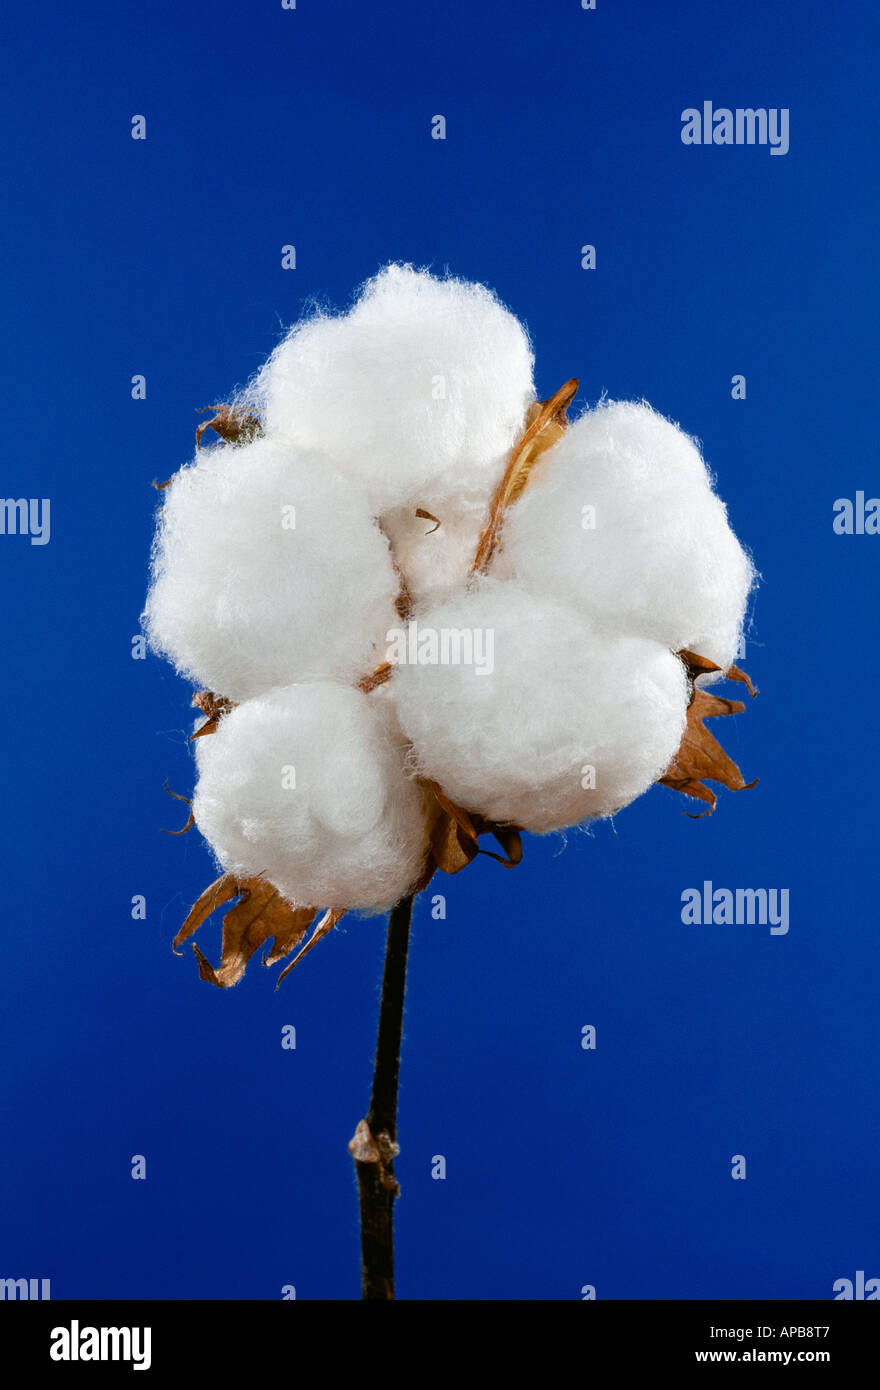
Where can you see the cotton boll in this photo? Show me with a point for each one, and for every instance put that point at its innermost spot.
(268, 568)
(425, 380)
(435, 555)
(515, 743)
(305, 786)
(660, 559)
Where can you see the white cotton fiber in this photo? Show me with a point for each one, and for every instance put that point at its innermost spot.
(436, 558)
(268, 569)
(660, 560)
(305, 785)
(564, 696)
(422, 386)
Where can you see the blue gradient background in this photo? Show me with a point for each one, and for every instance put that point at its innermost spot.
(565, 1167)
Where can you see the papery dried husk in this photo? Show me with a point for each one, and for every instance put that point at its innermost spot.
(214, 706)
(261, 914)
(700, 756)
(545, 425)
(234, 426)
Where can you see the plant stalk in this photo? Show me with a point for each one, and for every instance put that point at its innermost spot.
(374, 1145)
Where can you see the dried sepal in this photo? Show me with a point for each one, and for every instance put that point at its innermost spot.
(191, 820)
(510, 840)
(288, 937)
(545, 425)
(450, 851)
(221, 891)
(701, 757)
(455, 837)
(429, 516)
(376, 678)
(697, 665)
(733, 673)
(214, 706)
(259, 915)
(234, 426)
(326, 924)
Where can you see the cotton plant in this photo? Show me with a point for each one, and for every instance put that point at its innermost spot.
(424, 614)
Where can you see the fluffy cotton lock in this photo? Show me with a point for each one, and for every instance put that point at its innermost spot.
(561, 703)
(435, 551)
(421, 387)
(656, 555)
(268, 568)
(305, 786)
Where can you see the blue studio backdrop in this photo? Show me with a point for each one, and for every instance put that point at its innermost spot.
(566, 1167)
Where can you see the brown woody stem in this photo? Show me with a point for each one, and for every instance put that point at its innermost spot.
(374, 1145)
